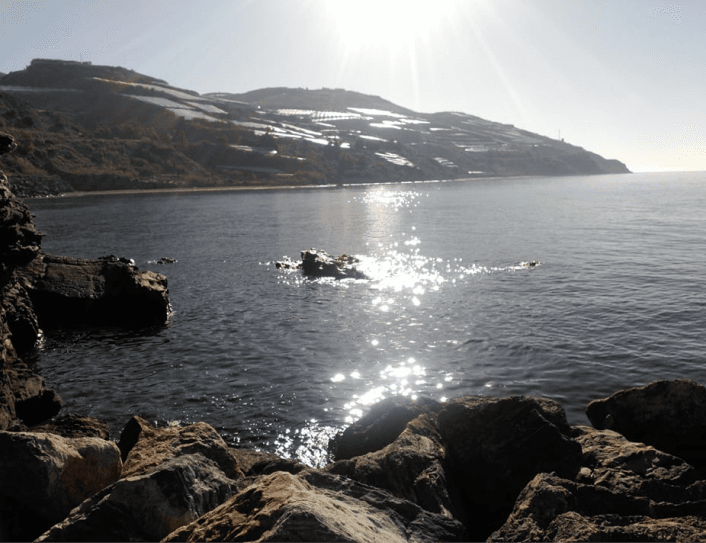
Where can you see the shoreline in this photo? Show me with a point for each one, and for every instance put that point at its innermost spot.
(239, 188)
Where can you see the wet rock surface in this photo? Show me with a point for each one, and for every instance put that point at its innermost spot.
(317, 263)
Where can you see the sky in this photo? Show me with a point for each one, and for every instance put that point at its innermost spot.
(623, 78)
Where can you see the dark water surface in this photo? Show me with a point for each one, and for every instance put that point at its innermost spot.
(282, 362)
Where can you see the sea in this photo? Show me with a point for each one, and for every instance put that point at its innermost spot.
(280, 362)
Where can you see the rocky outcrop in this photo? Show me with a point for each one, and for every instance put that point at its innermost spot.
(412, 467)
(495, 446)
(46, 476)
(154, 446)
(149, 506)
(24, 397)
(107, 290)
(316, 263)
(380, 426)
(671, 415)
(313, 506)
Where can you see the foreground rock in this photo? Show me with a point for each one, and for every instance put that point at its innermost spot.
(495, 446)
(108, 290)
(313, 506)
(148, 507)
(44, 476)
(317, 263)
(145, 447)
(671, 415)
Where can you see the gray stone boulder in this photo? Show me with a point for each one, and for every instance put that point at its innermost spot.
(380, 426)
(554, 509)
(148, 507)
(48, 475)
(495, 446)
(314, 506)
(154, 446)
(107, 290)
(412, 467)
(670, 415)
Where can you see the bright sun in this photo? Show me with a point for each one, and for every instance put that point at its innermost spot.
(391, 24)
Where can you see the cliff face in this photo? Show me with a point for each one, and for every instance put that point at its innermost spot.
(85, 127)
(24, 397)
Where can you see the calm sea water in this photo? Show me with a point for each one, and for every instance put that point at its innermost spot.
(280, 362)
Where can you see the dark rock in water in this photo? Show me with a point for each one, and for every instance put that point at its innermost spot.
(314, 506)
(49, 475)
(167, 260)
(71, 425)
(21, 318)
(495, 446)
(412, 467)
(380, 426)
(107, 290)
(148, 507)
(319, 264)
(670, 415)
(288, 264)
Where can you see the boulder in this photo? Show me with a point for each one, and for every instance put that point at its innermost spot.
(70, 425)
(411, 467)
(554, 509)
(670, 415)
(317, 263)
(380, 426)
(148, 507)
(613, 462)
(106, 290)
(495, 446)
(314, 506)
(48, 475)
(155, 446)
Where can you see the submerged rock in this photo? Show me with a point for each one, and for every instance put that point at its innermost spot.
(106, 290)
(670, 415)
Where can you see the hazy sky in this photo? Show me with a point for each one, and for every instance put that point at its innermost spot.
(623, 78)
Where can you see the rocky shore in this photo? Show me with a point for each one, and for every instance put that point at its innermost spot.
(470, 469)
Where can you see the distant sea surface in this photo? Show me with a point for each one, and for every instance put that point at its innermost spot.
(280, 362)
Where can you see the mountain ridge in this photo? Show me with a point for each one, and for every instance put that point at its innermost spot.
(87, 127)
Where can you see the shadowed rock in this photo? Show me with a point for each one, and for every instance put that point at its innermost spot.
(495, 446)
(670, 415)
(380, 426)
(105, 290)
(149, 506)
(48, 475)
(71, 425)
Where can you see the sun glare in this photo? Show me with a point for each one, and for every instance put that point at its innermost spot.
(390, 24)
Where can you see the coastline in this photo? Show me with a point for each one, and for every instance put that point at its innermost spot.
(241, 188)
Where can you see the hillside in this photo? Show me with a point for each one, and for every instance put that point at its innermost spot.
(85, 127)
